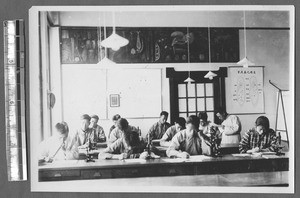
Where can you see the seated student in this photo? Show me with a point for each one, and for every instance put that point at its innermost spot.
(230, 127)
(179, 125)
(115, 118)
(205, 125)
(260, 138)
(122, 127)
(81, 135)
(128, 146)
(158, 129)
(97, 132)
(59, 146)
(188, 141)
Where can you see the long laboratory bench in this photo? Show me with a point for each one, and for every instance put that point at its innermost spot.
(129, 168)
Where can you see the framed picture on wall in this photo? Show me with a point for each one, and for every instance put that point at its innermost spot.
(114, 100)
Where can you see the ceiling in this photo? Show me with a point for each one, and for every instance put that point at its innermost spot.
(171, 18)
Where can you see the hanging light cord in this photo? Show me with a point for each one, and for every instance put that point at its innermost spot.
(245, 36)
(114, 22)
(99, 40)
(104, 25)
(188, 49)
(209, 53)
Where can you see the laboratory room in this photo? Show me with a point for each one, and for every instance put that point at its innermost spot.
(172, 96)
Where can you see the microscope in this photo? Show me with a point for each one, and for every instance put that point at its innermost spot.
(280, 147)
(89, 155)
(150, 149)
(213, 142)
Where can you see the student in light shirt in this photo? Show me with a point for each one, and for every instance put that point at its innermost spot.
(188, 141)
(127, 146)
(159, 128)
(179, 125)
(59, 146)
(230, 127)
(115, 118)
(118, 132)
(97, 132)
(261, 138)
(82, 135)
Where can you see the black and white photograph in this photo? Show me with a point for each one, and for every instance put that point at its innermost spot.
(194, 99)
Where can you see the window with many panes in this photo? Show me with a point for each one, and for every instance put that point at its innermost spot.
(194, 98)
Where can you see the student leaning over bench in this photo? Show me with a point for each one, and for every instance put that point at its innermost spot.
(127, 146)
(260, 138)
(188, 141)
(59, 146)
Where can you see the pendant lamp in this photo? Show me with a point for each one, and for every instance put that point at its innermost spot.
(245, 62)
(210, 75)
(114, 41)
(189, 80)
(105, 62)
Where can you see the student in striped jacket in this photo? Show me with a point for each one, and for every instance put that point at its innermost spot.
(261, 138)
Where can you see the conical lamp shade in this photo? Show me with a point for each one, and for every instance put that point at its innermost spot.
(210, 75)
(106, 63)
(114, 41)
(245, 62)
(189, 80)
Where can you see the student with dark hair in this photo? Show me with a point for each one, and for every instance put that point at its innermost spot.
(97, 132)
(260, 138)
(59, 146)
(127, 146)
(179, 125)
(188, 141)
(158, 129)
(205, 126)
(122, 127)
(81, 135)
(230, 127)
(115, 118)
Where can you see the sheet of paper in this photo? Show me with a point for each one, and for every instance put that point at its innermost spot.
(175, 160)
(195, 158)
(241, 155)
(135, 160)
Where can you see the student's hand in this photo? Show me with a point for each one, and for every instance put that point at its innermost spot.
(249, 151)
(183, 155)
(105, 156)
(154, 156)
(48, 159)
(82, 147)
(254, 150)
(144, 155)
(122, 156)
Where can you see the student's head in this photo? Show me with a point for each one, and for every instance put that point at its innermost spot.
(163, 117)
(192, 122)
(262, 124)
(180, 123)
(62, 130)
(94, 120)
(203, 118)
(221, 114)
(122, 124)
(115, 118)
(85, 121)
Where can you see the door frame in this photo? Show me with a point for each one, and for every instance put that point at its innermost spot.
(178, 77)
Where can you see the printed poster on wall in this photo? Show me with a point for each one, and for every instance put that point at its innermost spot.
(246, 90)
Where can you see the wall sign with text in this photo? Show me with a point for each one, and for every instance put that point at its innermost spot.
(246, 90)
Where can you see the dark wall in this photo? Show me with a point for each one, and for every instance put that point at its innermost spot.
(13, 9)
